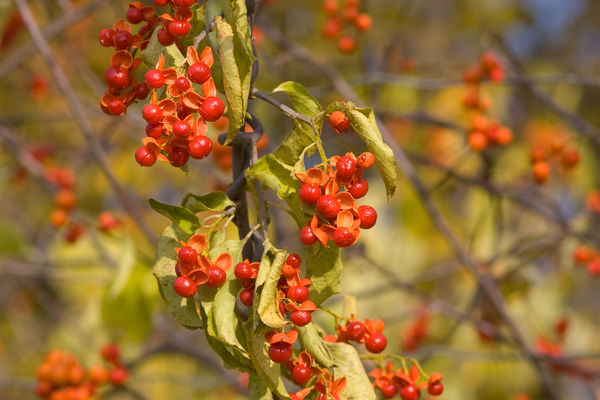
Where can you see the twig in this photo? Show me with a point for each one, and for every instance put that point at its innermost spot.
(287, 110)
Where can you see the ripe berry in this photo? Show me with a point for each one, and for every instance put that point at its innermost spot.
(301, 374)
(105, 37)
(65, 199)
(145, 157)
(243, 271)
(185, 287)
(280, 352)
(247, 297)
(294, 260)
(200, 147)
(389, 391)
(181, 128)
(179, 28)
(359, 188)
(117, 79)
(368, 216)
(118, 376)
(435, 388)
(187, 255)
(58, 218)
(116, 107)
(363, 22)
(161, 3)
(199, 72)
(310, 193)
(300, 317)
(330, 7)
(216, 277)
(135, 15)
(98, 375)
(183, 111)
(343, 237)
(541, 171)
(122, 40)
(110, 352)
(179, 156)
(338, 121)
(331, 28)
(154, 130)
(141, 91)
(212, 108)
(154, 78)
(356, 330)
(345, 168)
(152, 113)
(182, 84)
(569, 158)
(328, 206)
(376, 342)
(298, 293)
(410, 392)
(185, 3)
(346, 44)
(307, 237)
(164, 37)
(477, 141)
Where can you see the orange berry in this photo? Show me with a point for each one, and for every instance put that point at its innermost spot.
(330, 7)
(332, 28)
(363, 22)
(582, 254)
(477, 141)
(472, 75)
(541, 171)
(503, 136)
(569, 158)
(479, 123)
(489, 61)
(538, 153)
(59, 217)
(66, 199)
(347, 44)
(350, 14)
(98, 375)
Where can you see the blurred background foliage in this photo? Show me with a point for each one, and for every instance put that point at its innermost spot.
(78, 296)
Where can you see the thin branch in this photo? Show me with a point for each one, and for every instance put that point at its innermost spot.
(276, 103)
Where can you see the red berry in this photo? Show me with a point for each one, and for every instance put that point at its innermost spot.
(152, 113)
(164, 37)
(135, 15)
(307, 237)
(118, 376)
(363, 22)
(199, 72)
(154, 78)
(117, 79)
(243, 271)
(122, 40)
(359, 188)
(410, 392)
(181, 128)
(187, 255)
(183, 111)
(280, 352)
(389, 391)
(161, 3)
(343, 237)
(331, 29)
(435, 388)
(105, 37)
(145, 157)
(346, 44)
(116, 107)
(185, 287)
(338, 121)
(212, 108)
(216, 277)
(345, 167)
(182, 84)
(247, 297)
(356, 330)
(294, 260)
(179, 28)
(310, 193)
(301, 374)
(328, 206)
(179, 156)
(541, 171)
(200, 147)
(185, 3)
(154, 130)
(300, 317)
(368, 216)
(298, 293)
(110, 352)
(141, 91)
(376, 342)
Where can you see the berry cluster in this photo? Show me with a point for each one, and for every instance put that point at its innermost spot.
(62, 377)
(588, 257)
(340, 216)
(541, 153)
(369, 332)
(391, 382)
(338, 18)
(65, 201)
(195, 267)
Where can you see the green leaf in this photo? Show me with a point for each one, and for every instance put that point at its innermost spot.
(301, 98)
(184, 218)
(324, 269)
(237, 16)
(348, 364)
(266, 292)
(152, 52)
(258, 389)
(232, 357)
(236, 65)
(184, 310)
(214, 201)
(311, 341)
